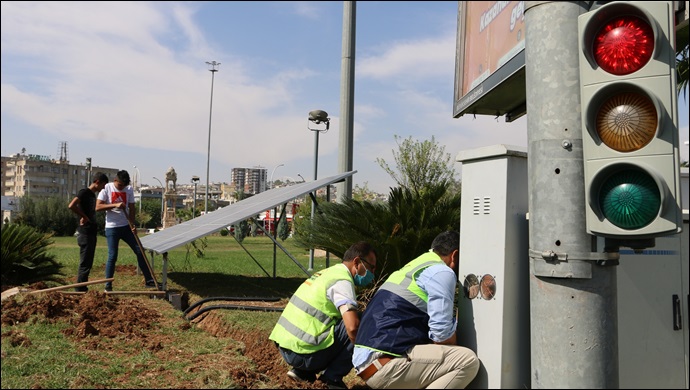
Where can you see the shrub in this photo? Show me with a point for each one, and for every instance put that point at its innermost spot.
(24, 256)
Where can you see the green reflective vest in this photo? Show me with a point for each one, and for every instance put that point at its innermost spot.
(403, 282)
(307, 323)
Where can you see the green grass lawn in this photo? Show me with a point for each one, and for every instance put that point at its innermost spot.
(226, 269)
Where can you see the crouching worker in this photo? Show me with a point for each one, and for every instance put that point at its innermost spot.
(317, 329)
(407, 338)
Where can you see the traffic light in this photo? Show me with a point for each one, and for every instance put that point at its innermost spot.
(630, 120)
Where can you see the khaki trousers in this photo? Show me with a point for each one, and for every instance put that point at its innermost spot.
(430, 366)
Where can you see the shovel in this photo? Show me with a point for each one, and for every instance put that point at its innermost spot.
(16, 290)
(143, 253)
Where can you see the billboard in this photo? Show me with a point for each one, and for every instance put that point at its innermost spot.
(490, 59)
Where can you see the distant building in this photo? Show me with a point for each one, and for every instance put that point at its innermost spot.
(41, 176)
(249, 180)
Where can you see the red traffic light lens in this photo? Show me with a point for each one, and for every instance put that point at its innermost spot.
(624, 45)
(626, 122)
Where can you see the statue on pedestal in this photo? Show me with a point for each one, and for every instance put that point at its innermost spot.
(171, 180)
(169, 217)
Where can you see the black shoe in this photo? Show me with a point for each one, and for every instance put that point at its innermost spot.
(81, 289)
(108, 288)
(303, 376)
(331, 384)
(152, 284)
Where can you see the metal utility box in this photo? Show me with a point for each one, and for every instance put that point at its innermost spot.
(653, 311)
(494, 265)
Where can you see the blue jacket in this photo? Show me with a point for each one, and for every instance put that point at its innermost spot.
(396, 318)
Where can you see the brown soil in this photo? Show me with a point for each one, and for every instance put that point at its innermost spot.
(95, 315)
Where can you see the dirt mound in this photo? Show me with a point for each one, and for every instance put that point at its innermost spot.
(95, 315)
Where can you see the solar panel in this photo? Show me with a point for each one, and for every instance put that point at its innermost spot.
(174, 236)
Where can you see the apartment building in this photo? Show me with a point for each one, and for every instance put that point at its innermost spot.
(42, 176)
(250, 180)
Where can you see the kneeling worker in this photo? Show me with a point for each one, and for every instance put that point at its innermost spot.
(317, 329)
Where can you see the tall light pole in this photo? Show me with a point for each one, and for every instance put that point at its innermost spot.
(88, 171)
(318, 117)
(195, 180)
(135, 185)
(212, 68)
(162, 199)
(274, 171)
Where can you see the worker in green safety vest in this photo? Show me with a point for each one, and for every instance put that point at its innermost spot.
(317, 329)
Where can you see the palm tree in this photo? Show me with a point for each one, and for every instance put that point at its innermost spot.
(25, 258)
(682, 60)
(400, 229)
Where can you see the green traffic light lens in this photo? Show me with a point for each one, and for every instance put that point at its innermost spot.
(630, 199)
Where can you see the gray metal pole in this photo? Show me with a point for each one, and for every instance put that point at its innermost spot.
(313, 205)
(213, 71)
(347, 101)
(194, 203)
(162, 200)
(574, 329)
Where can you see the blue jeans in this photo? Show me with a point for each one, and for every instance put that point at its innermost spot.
(113, 236)
(336, 360)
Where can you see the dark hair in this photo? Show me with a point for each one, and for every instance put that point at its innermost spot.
(359, 249)
(447, 242)
(101, 177)
(123, 177)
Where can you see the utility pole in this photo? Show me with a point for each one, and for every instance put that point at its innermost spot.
(347, 99)
(573, 308)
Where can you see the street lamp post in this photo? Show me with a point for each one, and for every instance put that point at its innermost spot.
(162, 199)
(138, 181)
(212, 68)
(274, 171)
(318, 117)
(195, 180)
(88, 171)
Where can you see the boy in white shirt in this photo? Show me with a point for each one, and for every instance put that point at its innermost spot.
(117, 199)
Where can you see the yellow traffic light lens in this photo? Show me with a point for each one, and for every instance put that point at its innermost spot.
(623, 45)
(630, 199)
(627, 122)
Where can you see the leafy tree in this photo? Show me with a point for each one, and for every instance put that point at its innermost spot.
(48, 215)
(283, 228)
(253, 229)
(241, 230)
(152, 208)
(142, 218)
(682, 61)
(426, 202)
(419, 165)
(363, 193)
(25, 258)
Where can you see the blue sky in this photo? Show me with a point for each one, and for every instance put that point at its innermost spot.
(127, 84)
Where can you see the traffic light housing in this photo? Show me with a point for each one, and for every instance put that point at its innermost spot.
(630, 120)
